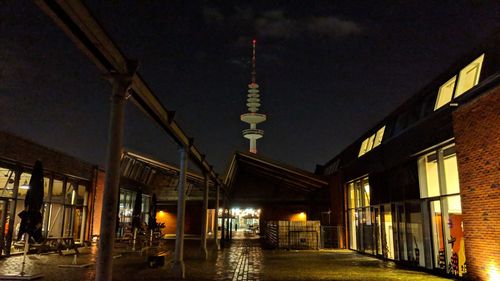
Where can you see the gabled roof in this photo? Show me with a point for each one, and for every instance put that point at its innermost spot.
(160, 178)
(290, 177)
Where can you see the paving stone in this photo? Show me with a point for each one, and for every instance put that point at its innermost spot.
(239, 260)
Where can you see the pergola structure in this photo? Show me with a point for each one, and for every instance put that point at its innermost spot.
(162, 179)
(75, 19)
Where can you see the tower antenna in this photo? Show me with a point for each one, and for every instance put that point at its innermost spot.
(253, 103)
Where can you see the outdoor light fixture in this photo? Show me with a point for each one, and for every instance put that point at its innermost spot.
(493, 272)
(25, 185)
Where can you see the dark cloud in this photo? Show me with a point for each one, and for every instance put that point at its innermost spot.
(332, 26)
(275, 24)
(212, 15)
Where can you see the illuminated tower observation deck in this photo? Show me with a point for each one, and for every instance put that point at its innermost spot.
(253, 103)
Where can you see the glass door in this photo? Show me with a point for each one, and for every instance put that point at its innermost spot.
(437, 235)
(401, 232)
(387, 232)
(377, 230)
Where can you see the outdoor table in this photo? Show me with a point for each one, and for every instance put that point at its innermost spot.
(58, 244)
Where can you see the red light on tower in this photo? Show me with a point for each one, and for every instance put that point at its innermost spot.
(254, 41)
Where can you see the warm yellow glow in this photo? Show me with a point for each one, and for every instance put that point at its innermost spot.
(379, 136)
(493, 273)
(371, 140)
(160, 214)
(299, 217)
(469, 76)
(362, 149)
(445, 93)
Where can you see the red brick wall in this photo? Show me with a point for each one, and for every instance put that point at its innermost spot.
(337, 206)
(476, 127)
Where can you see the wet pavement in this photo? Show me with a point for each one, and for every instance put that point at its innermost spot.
(242, 259)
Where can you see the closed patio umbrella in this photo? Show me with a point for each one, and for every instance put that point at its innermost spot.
(31, 217)
(136, 212)
(136, 217)
(152, 218)
(152, 213)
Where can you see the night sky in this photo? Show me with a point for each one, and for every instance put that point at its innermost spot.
(328, 71)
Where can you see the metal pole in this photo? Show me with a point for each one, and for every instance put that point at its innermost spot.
(216, 228)
(178, 268)
(230, 226)
(12, 211)
(84, 216)
(204, 223)
(222, 226)
(104, 267)
(227, 219)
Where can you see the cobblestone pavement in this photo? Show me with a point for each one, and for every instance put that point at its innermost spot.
(241, 260)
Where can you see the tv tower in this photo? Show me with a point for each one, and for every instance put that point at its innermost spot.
(253, 103)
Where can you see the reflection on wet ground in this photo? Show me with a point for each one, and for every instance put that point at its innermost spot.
(241, 259)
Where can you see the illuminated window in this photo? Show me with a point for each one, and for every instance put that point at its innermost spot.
(371, 142)
(351, 202)
(445, 93)
(428, 174)
(469, 76)
(438, 173)
(379, 136)
(7, 182)
(362, 149)
(358, 213)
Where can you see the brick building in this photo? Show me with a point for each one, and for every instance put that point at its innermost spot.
(476, 126)
(422, 186)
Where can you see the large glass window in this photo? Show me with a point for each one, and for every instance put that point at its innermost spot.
(428, 175)
(24, 185)
(361, 230)
(70, 194)
(451, 172)
(387, 232)
(445, 209)
(438, 173)
(58, 191)
(437, 235)
(351, 197)
(455, 246)
(414, 233)
(7, 179)
(352, 217)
